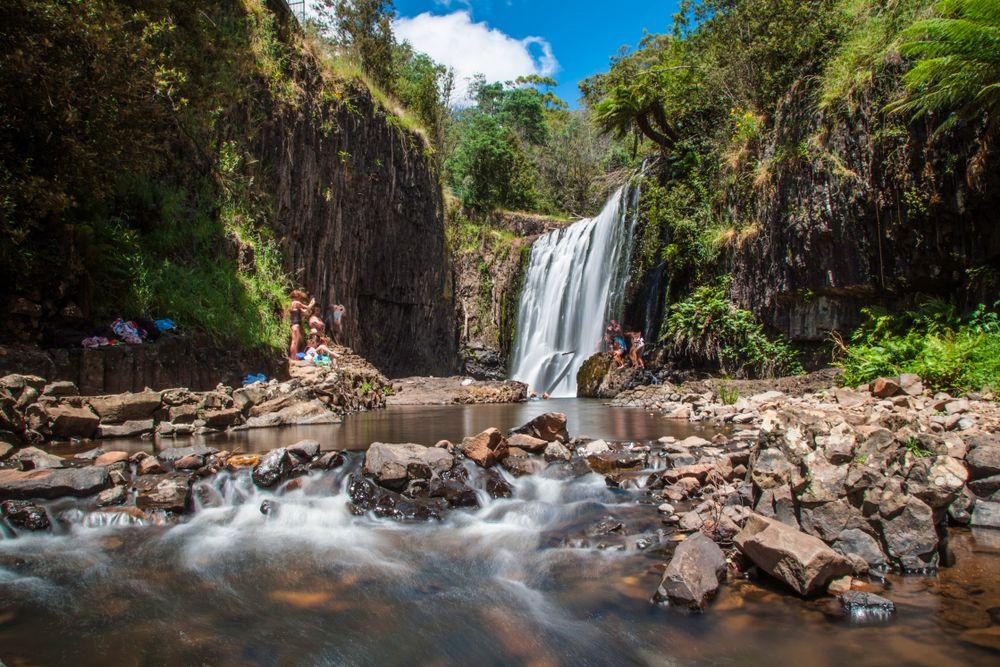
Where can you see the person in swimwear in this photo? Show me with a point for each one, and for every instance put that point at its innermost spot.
(295, 312)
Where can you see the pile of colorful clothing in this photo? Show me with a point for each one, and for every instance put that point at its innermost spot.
(133, 332)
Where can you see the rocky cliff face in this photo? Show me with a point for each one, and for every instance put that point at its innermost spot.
(359, 214)
(858, 211)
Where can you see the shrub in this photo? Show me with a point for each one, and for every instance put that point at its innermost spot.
(707, 326)
(949, 352)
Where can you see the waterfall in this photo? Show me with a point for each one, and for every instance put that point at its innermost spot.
(574, 283)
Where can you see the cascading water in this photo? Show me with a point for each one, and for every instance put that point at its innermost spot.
(574, 283)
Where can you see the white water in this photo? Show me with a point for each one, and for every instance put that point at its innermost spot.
(574, 284)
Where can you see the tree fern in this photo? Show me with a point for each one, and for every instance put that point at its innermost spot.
(957, 62)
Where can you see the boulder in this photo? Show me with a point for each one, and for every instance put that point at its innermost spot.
(911, 384)
(272, 468)
(885, 387)
(116, 495)
(693, 575)
(863, 606)
(595, 447)
(175, 453)
(151, 465)
(936, 481)
(983, 457)
(33, 458)
(985, 514)
(828, 520)
(60, 388)
(527, 443)
(128, 429)
(609, 461)
(120, 408)
(496, 486)
(24, 514)
(485, 448)
(985, 487)
(858, 543)
(556, 451)
(53, 483)
(191, 462)
(772, 469)
(328, 461)
(237, 461)
(68, 421)
(519, 463)
(910, 535)
(170, 491)
(801, 561)
(366, 496)
(394, 465)
(304, 450)
(110, 458)
(223, 418)
(548, 427)
(454, 491)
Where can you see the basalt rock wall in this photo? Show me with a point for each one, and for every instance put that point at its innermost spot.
(359, 213)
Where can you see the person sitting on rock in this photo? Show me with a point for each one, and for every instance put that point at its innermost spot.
(295, 311)
(319, 348)
(619, 353)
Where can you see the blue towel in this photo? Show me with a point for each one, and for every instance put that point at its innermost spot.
(165, 324)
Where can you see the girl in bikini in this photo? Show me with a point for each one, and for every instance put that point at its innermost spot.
(295, 311)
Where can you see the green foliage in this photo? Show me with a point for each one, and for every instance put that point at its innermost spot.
(949, 352)
(914, 447)
(488, 168)
(364, 27)
(957, 68)
(728, 394)
(706, 326)
(423, 87)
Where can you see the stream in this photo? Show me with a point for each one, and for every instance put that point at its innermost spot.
(532, 579)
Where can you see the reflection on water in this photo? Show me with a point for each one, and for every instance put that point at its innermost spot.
(429, 424)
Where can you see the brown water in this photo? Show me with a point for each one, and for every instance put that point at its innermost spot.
(519, 581)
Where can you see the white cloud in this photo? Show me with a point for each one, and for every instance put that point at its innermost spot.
(475, 48)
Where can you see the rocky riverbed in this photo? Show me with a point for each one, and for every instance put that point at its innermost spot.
(824, 492)
(455, 390)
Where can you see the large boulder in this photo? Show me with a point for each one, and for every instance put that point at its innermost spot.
(548, 427)
(801, 561)
(120, 408)
(610, 461)
(366, 496)
(272, 468)
(394, 465)
(771, 469)
(910, 535)
(127, 429)
(856, 543)
(53, 483)
(68, 421)
(692, 577)
(527, 443)
(171, 492)
(486, 448)
(33, 458)
(983, 458)
(936, 481)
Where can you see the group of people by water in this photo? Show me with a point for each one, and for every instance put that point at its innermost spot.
(323, 334)
(624, 347)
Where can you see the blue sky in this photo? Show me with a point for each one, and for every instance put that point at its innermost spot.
(567, 39)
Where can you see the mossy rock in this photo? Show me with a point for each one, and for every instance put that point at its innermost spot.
(591, 375)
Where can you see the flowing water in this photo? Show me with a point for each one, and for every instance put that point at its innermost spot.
(574, 283)
(523, 580)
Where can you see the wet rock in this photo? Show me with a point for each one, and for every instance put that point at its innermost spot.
(120, 408)
(116, 495)
(594, 447)
(527, 443)
(856, 542)
(24, 514)
(151, 465)
(89, 455)
(556, 451)
(985, 514)
(863, 607)
(304, 450)
(128, 429)
(548, 427)
(191, 462)
(801, 561)
(171, 492)
(486, 448)
(496, 486)
(910, 536)
(394, 465)
(269, 507)
(454, 491)
(983, 458)
(520, 463)
(606, 527)
(53, 483)
(33, 458)
(694, 573)
(110, 458)
(609, 461)
(175, 453)
(222, 419)
(367, 496)
(329, 461)
(960, 510)
(272, 468)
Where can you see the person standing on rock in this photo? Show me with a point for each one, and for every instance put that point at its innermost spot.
(337, 323)
(635, 350)
(295, 312)
(316, 323)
